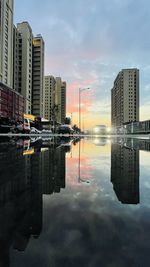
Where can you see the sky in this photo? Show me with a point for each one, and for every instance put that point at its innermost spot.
(87, 42)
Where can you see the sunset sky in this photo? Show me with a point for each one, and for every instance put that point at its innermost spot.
(87, 42)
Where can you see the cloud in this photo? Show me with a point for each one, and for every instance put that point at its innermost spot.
(145, 111)
(92, 41)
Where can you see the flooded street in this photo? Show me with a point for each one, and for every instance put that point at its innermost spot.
(67, 203)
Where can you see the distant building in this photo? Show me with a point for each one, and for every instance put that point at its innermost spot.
(6, 42)
(55, 99)
(38, 76)
(63, 102)
(58, 84)
(100, 129)
(49, 98)
(125, 97)
(135, 127)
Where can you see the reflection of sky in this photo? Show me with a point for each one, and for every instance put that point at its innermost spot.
(87, 225)
(145, 177)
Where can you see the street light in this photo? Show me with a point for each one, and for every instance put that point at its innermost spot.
(81, 90)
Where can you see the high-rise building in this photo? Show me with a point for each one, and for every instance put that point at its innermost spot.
(23, 63)
(6, 42)
(125, 97)
(60, 100)
(49, 98)
(63, 102)
(17, 60)
(55, 99)
(38, 76)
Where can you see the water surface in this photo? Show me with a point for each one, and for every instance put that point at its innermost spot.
(67, 203)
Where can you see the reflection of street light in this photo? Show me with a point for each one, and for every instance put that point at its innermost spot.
(81, 90)
(80, 180)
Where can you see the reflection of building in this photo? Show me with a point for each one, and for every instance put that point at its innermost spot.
(53, 161)
(125, 173)
(16, 200)
(125, 97)
(24, 179)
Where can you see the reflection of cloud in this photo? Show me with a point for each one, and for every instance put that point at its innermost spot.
(72, 171)
(81, 232)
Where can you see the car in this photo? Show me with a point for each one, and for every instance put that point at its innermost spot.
(22, 127)
(26, 126)
(46, 131)
(33, 130)
(65, 129)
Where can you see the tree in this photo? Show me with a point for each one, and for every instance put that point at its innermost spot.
(54, 110)
(68, 120)
(76, 128)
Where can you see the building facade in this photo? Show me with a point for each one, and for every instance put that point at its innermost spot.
(38, 76)
(17, 60)
(49, 98)
(23, 39)
(63, 102)
(54, 99)
(125, 97)
(60, 100)
(6, 42)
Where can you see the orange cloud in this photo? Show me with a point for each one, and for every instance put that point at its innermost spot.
(73, 95)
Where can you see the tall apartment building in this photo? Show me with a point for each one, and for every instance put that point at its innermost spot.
(23, 63)
(63, 102)
(55, 99)
(6, 41)
(125, 97)
(49, 98)
(38, 76)
(17, 60)
(60, 100)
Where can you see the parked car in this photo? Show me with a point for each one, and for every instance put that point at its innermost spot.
(46, 131)
(22, 127)
(33, 130)
(26, 126)
(65, 129)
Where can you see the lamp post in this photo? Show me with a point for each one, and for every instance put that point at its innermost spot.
(81, 90)
(80, 180)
